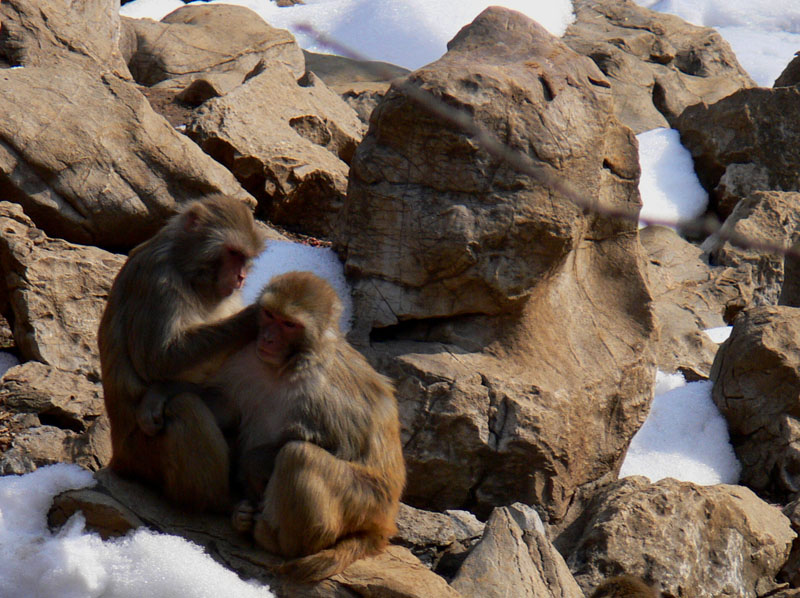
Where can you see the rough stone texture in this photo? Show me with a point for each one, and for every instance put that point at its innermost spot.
(41, 32)
(56, 292)
(771, 217)
(440, 540)
(201, 40)
(657, 64)
(90, 161)
(689, 297)
(686, 540)
(756, 379)
(115, 506)
(746, 142)
(543, 395)
(433, 226)
(55, 417)
(288, 143)
(790, 75)
(515, 558)
(791, 570)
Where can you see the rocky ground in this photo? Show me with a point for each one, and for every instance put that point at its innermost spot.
(523, 331)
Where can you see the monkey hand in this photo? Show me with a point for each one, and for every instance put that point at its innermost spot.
(150, 412)
(243, 517)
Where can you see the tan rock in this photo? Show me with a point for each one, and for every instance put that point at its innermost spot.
(687, 540)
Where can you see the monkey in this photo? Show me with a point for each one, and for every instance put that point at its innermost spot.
(318, 446)
(174, 314)
(624, 586)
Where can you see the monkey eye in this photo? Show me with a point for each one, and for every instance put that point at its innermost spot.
(267, 315)
(291, 325)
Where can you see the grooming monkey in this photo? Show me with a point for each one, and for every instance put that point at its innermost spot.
(174, 314)
(319, 438)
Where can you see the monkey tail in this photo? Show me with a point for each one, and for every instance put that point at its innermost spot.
(330, 561)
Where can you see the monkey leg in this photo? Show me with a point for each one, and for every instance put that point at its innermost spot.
(196, 459)
(314, 498)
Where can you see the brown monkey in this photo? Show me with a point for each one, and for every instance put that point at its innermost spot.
(624, 586)
(174, 313)
(319, 439)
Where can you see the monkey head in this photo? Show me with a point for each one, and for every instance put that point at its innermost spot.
(215, 242)
(299, 314)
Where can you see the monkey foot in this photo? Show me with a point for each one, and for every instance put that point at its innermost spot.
(243, 516)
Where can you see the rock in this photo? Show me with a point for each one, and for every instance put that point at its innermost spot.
(756, 375)
(791, 74)
(90, 161)
(689, 297)
(435, 227)
(686, 540)
(657, 64)
(791, 570)
(115, 506)
(739, 144)
(515, 559)
(42, 32)
(288, 143)
(770, 217)
(361, 83)
(440, 540)
(56, 417)
(519, 331)
(56, 292)
(202, 40)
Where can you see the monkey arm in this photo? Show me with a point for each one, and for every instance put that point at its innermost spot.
(255, 469)
(204, 343)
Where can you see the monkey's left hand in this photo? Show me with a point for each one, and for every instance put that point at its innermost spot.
(150, 411)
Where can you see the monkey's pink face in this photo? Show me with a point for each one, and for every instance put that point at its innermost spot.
(278, 337)
(232, 272)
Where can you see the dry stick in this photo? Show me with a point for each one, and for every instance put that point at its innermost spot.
(542, 172)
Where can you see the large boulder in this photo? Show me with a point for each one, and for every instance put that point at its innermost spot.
(763, 219)
(41, 32)
(520, 330)
(756, 379)
(89, 159)
(746, 142)
(225, 43)
(56, 293)
(687, 540)
(657, 64)
(287, 142)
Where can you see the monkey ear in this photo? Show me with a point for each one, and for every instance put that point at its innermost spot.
(193, 217)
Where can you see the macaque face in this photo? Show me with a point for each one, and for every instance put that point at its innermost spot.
(232, 271)
(278, 337)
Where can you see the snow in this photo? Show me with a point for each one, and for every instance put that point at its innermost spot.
(286, 256)
(409, 33)
(670, 189)
(73, 563)
(684, 437)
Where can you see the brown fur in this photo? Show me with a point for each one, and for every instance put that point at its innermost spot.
(624, 586)
(165, 320)
(325, 424)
